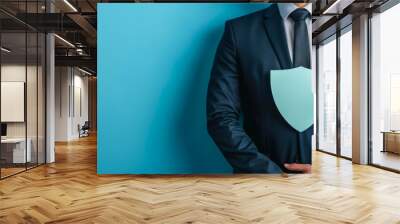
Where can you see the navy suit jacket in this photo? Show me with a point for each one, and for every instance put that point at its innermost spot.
(242, 117)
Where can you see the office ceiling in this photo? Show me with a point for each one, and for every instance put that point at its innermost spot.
(75, 21)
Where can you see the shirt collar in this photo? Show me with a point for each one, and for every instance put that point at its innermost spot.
(286, 8)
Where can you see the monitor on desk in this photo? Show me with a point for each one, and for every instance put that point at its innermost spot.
(3, 130)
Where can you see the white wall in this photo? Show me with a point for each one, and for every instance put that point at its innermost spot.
(62, 82)
(9, 73)
(71, 102)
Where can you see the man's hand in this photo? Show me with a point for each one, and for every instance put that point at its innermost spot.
(304, 168)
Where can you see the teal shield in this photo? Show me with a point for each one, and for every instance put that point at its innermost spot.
(293, 96)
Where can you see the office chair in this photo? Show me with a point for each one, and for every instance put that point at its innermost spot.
(84, 130)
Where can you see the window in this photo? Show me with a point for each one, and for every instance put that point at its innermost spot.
(385, 89)
(346, 93)
(327, 96)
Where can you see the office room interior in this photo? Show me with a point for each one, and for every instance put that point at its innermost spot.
(85, 139)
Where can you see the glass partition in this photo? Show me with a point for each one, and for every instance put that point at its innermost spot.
(41, 97)
(15, 151)
(32, 95)
(22, 77)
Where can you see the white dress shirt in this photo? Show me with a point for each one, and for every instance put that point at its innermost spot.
(285, 9)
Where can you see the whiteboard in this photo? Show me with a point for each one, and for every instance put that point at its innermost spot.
(12, 101)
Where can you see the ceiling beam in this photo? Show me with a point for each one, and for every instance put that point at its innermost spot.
(83, 23)
(82, 61)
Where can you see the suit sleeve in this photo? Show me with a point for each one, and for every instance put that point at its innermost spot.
(223, 112)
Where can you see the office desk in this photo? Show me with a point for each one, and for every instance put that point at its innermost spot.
(13, 150)
(391, 141)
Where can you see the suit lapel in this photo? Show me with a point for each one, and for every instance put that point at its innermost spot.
(275, 30)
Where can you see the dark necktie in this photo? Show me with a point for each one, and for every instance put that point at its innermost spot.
(301, 44)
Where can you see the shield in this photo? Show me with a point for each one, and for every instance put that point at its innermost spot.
(293, 96)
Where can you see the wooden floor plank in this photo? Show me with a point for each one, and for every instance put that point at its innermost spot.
(70, 191)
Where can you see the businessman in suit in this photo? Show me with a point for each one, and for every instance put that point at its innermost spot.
(275, 38)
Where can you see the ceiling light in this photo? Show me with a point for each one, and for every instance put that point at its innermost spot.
(65, 41)
(84, 71)
(337, 7)
(70, 5)
(331, 7)
(5, 50)
(79, 51)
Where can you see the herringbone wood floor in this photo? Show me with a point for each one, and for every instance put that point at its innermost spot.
(69, 191)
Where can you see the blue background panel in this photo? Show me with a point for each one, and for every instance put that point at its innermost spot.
(154, 63)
